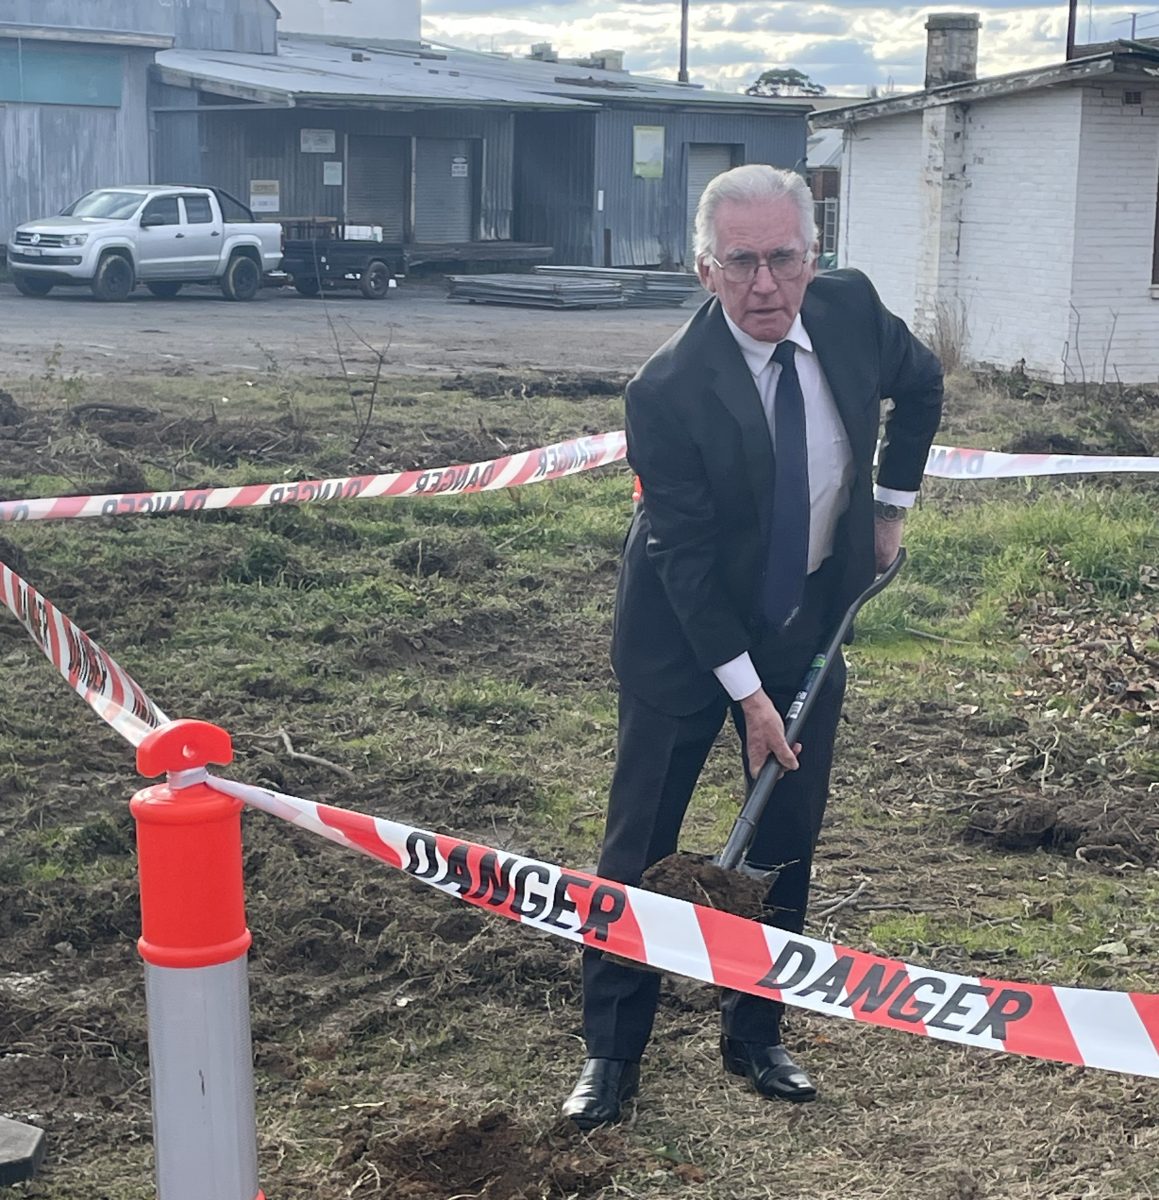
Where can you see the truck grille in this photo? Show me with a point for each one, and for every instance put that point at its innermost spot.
(24, 238)
(54, 260)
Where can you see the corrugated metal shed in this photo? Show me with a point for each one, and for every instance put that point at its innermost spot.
(226, 147)
(309, 70)
(644, 221)
(554, 142)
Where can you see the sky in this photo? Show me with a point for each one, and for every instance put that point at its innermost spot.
(847, 46)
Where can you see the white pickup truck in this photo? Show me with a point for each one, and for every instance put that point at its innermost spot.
(163, 236)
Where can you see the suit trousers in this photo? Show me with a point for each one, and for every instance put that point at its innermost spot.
(659, 759)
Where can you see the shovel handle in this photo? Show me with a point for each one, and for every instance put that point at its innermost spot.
(745, 826)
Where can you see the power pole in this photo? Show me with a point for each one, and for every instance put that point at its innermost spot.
(1071, 21)
(683, 75)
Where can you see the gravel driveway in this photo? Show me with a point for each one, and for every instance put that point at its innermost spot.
(198, 332)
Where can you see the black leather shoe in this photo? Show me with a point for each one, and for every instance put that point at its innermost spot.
(604, 1084)
(770, 1069)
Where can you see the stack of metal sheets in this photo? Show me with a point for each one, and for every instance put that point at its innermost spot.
(536, 291)
(642, 289)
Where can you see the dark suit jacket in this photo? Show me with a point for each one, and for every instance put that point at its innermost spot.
(696, 552)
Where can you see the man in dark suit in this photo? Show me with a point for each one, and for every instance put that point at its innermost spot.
(752, 431)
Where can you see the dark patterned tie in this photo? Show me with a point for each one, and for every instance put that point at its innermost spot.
(788, 557)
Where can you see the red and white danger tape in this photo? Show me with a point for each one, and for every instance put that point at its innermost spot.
(954, 462)
(1116, 1031)
(113, 694)
(512, 470)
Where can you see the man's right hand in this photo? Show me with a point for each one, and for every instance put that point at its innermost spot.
(765, 734)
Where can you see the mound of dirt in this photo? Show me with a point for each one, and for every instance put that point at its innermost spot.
(493, 1158)
(696, 878)
(1105, 825)
(466, 556)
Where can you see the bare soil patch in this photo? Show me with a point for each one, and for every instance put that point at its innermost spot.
(493, 1158)
(451, 663)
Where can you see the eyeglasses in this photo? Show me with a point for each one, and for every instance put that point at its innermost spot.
(784, 266)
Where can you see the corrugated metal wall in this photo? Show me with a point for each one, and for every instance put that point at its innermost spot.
(52, 153)
(232, 147)
(645, 221)
(249, 25)
(135, 16)
(555, 195)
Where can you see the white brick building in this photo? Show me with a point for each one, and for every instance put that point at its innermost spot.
(1015, 216)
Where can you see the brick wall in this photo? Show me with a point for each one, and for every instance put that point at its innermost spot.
(1016, 249)
(1119, 183)
(991, 219)
(881, 206)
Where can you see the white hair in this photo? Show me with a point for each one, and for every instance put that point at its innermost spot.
(749, 184)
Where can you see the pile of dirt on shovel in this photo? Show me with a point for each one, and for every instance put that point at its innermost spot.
(696, 878)
(493, 1158)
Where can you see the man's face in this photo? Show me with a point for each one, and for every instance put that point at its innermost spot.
(765, 307)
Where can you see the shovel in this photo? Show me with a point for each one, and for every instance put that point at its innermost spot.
(726, 881)
(745, 826)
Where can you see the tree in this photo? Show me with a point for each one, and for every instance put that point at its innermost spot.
(785, 81)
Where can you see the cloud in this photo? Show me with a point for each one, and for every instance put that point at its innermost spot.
(846, 46)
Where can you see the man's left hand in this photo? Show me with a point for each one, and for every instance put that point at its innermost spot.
(886, 541)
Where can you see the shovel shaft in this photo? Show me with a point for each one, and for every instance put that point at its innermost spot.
(745, 826)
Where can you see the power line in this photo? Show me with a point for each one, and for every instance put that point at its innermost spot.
(1133, 18)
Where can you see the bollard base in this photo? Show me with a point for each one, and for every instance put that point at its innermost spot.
(21, 1151)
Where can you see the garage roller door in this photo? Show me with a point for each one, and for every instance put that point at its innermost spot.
(376, 191)
(705, 162)
(444, 189)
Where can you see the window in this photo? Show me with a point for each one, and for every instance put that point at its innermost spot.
(164, 207)
(117, 206)
(233, 210)
(33, 72)
(197, 210)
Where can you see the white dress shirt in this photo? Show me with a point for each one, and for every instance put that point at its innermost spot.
(830, 463)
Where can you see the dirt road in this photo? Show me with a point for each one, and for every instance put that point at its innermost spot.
(200, 333)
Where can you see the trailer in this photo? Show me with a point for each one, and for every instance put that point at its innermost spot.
(339, 263)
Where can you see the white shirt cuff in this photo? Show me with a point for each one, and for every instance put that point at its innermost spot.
(738, 677)
(893, 496)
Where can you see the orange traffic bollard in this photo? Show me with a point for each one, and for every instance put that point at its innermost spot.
(194, 942)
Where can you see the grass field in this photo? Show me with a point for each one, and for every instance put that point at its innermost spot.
(994, 805)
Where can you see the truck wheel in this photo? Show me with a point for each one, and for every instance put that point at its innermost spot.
(115, 278)
(307, 287)
(375, 281)
(242, 279)
(31, 285)
(165, 291)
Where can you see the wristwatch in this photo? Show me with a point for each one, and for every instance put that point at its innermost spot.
(888, 512)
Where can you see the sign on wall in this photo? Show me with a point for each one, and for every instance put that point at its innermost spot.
(318, 141)
(648, 151)
(265, 195)
(459, 167)
(332, 174)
